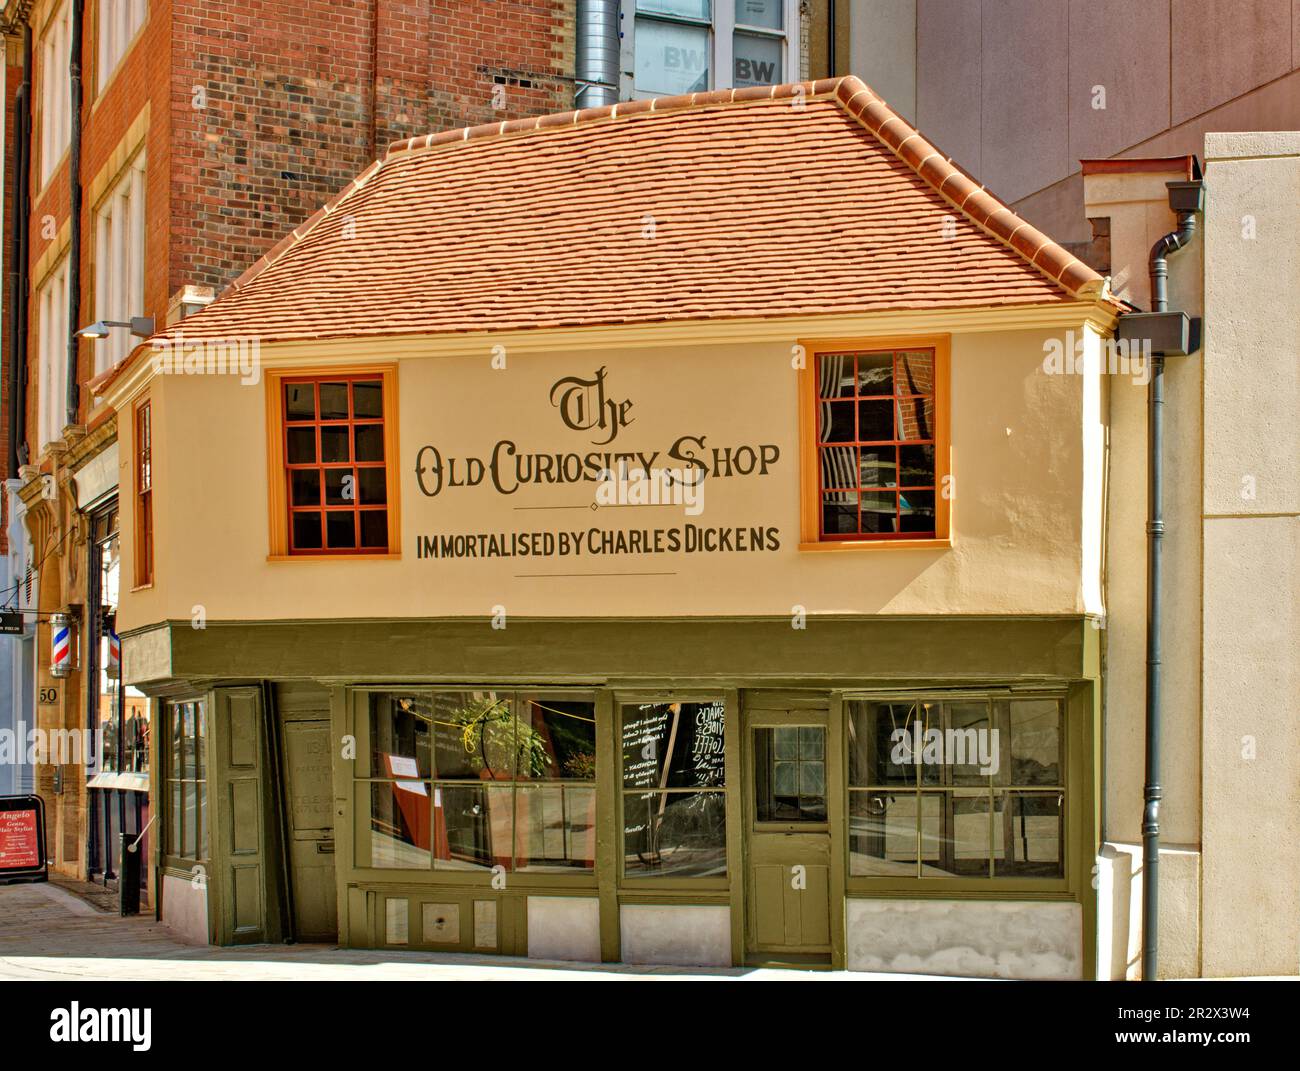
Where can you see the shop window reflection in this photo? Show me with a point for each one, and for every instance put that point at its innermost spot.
(471, 780)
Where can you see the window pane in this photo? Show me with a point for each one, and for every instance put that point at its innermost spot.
(875, 420)
(304, 487)
(302, 446)
(367, 400)
(372, 487)
(340, 487)
(369, 442)
(673, 745)
(835, 375)
(300, 401)
(882, 834)
(202, 788)
(1030, 738)
(555, 827)
(333, 444)
(175, 839)
(789, 774)
(174, 765)
(306, 531)
(965, 749)
(916, 418)
(879, 511)
(840, 513)
(473, 824)
(1027, 835)
(187, 740)
(916, 373)
(557, 740)
(399, 735)
(671, 58)
(757, 60)
(691, 9)
(340, 529)
(766, 13)
(837, 422)
(374, 528)
(201, 740)
(682, 834)
(190, 819)
(333, 401)
(876, 374)
(916, 511)
(460, 749)
(881, 737)
(399, 825)
(955, 834)
(917, 465)
(878, 466)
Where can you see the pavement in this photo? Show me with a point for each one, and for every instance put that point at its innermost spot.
(47, 933)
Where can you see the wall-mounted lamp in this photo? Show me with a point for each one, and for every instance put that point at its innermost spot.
(141, 327)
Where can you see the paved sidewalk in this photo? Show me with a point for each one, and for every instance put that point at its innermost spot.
(47, 933)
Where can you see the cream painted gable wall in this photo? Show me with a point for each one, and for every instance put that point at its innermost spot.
(1025, 541)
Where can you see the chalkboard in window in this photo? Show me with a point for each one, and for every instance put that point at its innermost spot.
(674, 745)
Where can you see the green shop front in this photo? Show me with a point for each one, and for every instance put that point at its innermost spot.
(895, 795)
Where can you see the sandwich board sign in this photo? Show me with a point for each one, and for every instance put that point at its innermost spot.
(22, 840)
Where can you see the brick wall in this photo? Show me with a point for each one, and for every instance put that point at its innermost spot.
(276, 105)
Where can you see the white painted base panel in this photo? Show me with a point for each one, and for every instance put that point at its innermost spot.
(677, 935)
(965, 938)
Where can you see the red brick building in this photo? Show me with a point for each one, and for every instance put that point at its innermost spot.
(206, 132)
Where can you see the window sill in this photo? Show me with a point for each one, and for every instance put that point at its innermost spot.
(142, 587)
(879, 544)
(395, 556)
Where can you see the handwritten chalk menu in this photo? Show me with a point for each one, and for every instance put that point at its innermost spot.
(22, 838)
(674, 745)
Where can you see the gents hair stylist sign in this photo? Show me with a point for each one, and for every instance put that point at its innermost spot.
(603, 473)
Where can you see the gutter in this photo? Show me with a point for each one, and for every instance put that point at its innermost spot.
(74, 193)
(19, 283)
(1169, 334)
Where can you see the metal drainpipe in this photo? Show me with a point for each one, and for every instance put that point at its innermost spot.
(830, 38)
(597, 54)
(1152, 791)
(74, 188)
(18, 280)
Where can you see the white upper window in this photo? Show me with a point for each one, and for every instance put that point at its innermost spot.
(118, 23)
(119, 261)
(688, 46)
(52, 376)
(56, 92)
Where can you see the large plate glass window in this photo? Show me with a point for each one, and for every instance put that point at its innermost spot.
(965, 788)
(470, 780)
(186, 835)
(674, 789)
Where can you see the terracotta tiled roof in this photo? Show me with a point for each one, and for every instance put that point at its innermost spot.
(804, 199)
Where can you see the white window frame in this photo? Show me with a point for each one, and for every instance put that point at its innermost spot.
(119, 260)
(722, 29)
(52, 351)
(117, 25)
(56, 89)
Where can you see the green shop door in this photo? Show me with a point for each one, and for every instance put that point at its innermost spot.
(788, 849)
(310, 800)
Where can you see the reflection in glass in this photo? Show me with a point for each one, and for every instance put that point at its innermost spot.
(399, 735)
(883, 834)
(1030, 731)
(673, 745)
(1028, 831)
(399, 825)
(555, 827)
(679, 834)
(955, 834)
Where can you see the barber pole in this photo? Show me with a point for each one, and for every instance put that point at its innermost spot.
(114, 661)
(60, 646)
